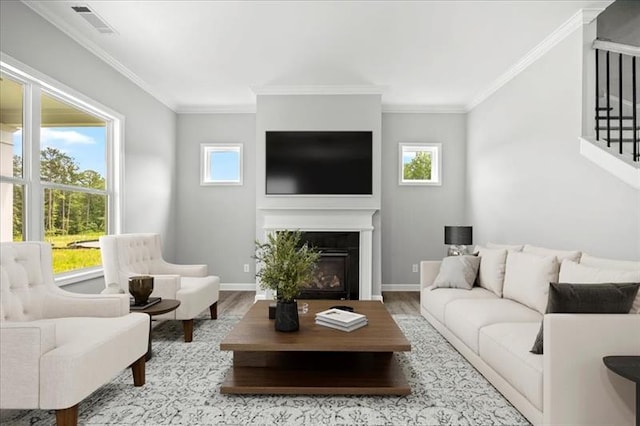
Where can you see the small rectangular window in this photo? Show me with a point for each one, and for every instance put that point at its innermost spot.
(221, 164)
(420, 164)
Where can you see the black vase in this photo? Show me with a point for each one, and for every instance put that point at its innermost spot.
(287, 316)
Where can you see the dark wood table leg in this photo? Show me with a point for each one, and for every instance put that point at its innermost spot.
(638, 404)
(149, 352)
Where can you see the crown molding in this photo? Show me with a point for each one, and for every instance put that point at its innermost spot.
(580, 18)
(422, 109)
(96, 50)
(319, 90)
(216, 109)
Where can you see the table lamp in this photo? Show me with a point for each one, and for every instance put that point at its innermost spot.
(458, 238)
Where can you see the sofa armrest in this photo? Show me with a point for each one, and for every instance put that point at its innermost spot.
(578, 387)
(428, 272)
(164, 267)
(60, 303)
(22, 345)
(165, 286)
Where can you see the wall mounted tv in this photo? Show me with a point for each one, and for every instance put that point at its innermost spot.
(319, 163)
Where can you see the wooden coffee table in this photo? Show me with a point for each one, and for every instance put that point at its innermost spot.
(316, 359)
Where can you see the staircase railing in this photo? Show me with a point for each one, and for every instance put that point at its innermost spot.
(611, 128)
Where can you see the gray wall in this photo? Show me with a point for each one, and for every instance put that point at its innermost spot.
(620, 22)
(526, 180)
(413, 217)
(216, 224)
(150, 127)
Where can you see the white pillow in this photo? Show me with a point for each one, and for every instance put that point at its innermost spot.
(492, 265)
(559, 254)
(576, 273)
(600, 262)
(457, 272)
(527, 277)
(510, 247)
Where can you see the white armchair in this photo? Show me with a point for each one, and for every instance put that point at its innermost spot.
(57, 347)
(128, 255)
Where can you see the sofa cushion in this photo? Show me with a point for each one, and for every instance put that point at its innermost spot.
(465, 317)
(491, 271)
(587, 299)
(435, 302)
(578, 273)
(510, 247)
(559, 254)
(527, 277)
(600, 262)
(505, 348)
(457, 272)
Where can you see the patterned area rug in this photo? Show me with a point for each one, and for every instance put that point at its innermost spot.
(183, 382)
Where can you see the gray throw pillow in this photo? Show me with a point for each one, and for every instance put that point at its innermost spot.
(587, 299)
(457, 272)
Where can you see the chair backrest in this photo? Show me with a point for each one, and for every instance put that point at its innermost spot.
(126, 255)
(26, 275)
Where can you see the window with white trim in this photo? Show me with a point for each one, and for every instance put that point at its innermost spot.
(420, 164)
(59, 170)
(221, 164)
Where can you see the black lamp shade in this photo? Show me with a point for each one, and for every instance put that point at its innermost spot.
(458, 235)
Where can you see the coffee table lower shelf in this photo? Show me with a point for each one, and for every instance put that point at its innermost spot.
(315, 373)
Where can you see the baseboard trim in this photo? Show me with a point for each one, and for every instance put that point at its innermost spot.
(238, 286)
(400, 287)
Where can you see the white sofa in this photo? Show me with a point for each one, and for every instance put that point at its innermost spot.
(495, 331)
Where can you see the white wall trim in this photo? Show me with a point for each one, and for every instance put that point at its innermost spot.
(580, 18)
(238, 286)
(423, 109)
(319, 90)
(625, 49)
(400, 287)
(617, 167)
(96, 50)
(216, 109)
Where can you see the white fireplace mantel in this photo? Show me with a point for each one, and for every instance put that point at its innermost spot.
(327, 220)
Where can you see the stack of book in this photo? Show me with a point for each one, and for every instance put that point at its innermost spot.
(341, 320)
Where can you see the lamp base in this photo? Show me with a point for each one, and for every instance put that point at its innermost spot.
(457, 250)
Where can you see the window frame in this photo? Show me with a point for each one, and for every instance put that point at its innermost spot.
(436, 163)
(205, 163)
(35, 85)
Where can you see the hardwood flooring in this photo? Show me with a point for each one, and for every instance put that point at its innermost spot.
(397, 302)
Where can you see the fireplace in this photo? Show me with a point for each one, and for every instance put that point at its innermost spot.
(336, 276)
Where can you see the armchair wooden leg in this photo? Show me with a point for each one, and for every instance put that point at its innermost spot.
(188, 330)
(138, 370)
(214, 310)
(67, 416)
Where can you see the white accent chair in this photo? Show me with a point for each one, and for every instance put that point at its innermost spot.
(127, 255)
(57, 347)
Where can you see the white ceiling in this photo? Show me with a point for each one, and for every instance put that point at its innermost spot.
(211, 54)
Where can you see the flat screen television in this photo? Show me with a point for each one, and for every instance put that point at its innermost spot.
(319, 163)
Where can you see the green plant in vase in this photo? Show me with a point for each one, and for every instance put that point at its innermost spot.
(284, 265)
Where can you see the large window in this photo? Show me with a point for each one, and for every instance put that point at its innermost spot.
(59, 175)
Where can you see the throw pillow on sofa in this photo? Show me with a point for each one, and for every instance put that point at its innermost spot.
(572, 272)
(603, 263)
(587, 299)
(527, 277)
(491, 271)
(457, 272)
(559, 254)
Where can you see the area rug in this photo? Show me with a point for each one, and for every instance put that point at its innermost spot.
(183, 383)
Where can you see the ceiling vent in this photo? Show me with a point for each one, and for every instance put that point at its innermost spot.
(93, 19)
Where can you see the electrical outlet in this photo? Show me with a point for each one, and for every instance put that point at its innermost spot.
(246, 267)
(415, 267)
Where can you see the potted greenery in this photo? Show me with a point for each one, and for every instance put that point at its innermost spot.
(284, 266)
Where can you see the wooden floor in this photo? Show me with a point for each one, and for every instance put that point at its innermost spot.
(237, 303)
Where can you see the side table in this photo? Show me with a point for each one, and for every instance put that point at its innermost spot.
(629, 368)
(162, 307)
